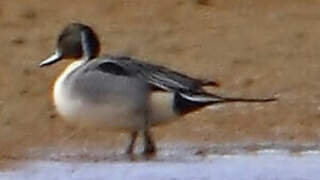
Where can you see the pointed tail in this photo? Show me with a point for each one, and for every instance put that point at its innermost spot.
(187, 102)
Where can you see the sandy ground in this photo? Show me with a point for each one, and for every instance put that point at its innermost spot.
(254, 48)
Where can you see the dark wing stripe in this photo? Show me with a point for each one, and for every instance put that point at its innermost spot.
(160, 76)
(112, 68)
(165, 79)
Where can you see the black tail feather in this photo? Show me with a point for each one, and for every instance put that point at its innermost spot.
(185, 103)
(247, 100)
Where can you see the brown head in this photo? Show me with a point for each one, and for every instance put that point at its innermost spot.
(75, 41)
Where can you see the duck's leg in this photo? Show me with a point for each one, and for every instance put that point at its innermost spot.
(133, 139)
(149, 146)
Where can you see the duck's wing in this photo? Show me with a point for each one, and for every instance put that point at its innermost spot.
(188, 94)
(160, 77)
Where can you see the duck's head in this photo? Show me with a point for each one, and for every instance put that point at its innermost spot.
(75, 41)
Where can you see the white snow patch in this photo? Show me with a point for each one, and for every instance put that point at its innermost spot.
(269, 166)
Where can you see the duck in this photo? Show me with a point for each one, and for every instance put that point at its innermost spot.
(123, 92)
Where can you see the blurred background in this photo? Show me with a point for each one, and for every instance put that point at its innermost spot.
(254, 48)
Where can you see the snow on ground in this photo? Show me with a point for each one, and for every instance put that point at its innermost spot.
(264, 165)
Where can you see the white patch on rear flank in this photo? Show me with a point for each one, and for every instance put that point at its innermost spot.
(162, 107)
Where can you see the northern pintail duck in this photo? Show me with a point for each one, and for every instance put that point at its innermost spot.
(122, 92)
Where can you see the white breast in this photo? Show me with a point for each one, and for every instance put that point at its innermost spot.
(65, 106)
